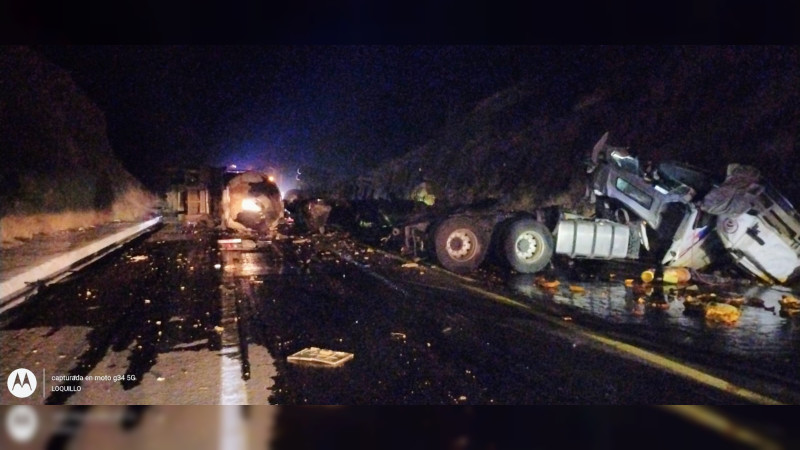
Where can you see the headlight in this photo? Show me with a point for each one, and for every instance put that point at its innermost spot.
(250, 204)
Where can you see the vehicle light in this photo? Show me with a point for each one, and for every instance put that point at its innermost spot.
(250, 204)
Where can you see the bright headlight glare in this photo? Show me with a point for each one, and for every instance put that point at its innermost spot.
(250, 204)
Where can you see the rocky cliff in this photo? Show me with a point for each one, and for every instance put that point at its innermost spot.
(58, 169)
(526, 145)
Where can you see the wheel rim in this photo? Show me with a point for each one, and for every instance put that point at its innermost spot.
(621, 216)
(527, 246)
(461, 244)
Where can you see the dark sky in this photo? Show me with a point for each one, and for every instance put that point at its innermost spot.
(340, 107)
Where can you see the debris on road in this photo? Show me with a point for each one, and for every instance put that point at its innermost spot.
(787, 301)
(648, 275)
(734, 301)
(410, 265)
(676, 275)
(546, 284)
(301, 241)
(138, 258)
(790, 306)
(321, 356)
(218, 329)
(722, 312)
(398, 336)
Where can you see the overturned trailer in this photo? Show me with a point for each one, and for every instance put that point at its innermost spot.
(251, 202)
(676, 213)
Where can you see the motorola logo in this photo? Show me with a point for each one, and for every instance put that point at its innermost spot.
(21, 383)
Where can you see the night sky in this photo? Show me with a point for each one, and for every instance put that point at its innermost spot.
(343, 108)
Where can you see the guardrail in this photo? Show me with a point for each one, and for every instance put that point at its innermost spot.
(13, 291)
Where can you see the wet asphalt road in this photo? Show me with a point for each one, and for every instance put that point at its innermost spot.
(182, 322)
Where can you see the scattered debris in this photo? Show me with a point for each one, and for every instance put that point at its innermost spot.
(218, 329)
(138, 258)
(398, 336)
(197, 343)
(696, 304)
(787, 301)
(546, 284)
(648, 275)
(790, 306)
(410, 265)
(321, 356)
(301, 241)
(734, 301)
(721, 312)
(676, 275)
(662, 305)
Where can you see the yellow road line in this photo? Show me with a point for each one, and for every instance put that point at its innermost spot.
(652, 358)
(723, 425)
(639, 353)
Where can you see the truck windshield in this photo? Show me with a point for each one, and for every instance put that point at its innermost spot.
(638, 195)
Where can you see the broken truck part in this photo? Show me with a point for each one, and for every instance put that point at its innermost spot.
(676, 214)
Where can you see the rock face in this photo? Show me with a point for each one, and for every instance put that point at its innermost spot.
(56, 155)
(525, 146)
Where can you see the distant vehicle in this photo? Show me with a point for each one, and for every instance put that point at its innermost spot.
(670, 212)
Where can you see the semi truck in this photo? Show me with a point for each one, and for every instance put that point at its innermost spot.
(675, 214)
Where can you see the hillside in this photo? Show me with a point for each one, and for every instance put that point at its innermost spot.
(59, 170)
(526, 145)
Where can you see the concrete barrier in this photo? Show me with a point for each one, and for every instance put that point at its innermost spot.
(12, 289)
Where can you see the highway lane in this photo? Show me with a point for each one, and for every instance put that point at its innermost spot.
(182, 322)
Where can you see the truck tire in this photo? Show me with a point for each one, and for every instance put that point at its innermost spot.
(460, 245)
(528, 246)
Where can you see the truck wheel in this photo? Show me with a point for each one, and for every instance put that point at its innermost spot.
(460, 245)
(528, 246)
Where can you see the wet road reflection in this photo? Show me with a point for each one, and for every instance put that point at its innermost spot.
(761, 344)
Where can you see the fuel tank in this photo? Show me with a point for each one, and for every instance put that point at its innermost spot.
(251, 202)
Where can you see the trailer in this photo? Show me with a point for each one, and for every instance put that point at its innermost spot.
(251, 202)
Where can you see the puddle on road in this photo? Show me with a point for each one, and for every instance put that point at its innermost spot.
(656, 312)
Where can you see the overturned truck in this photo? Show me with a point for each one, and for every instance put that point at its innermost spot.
(676, 214)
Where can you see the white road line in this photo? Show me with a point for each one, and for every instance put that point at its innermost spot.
(232, 386)
(232, 429)
(232, 389)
